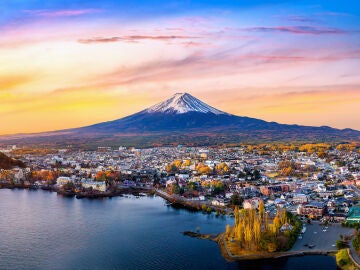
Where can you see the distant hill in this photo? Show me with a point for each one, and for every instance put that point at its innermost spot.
(187, 120)
(9, 163)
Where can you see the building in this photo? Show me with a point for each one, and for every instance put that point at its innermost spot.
(104, 148)
(354, 214)
(19, 176)
(219, 202)
(252, 203)
(128, 183)
(300, 198)
(269, 190)
(95, 185)
(312, 210)
(62, 180)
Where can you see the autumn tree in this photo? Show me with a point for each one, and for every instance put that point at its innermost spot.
(187, 163)
(174, 188)
(228, 231)
(261, 211)
(203, 169)
(171, 168)
(222, 168)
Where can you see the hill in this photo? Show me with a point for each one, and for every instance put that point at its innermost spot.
(9, 163)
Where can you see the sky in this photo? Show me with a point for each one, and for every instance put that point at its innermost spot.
(72, 63)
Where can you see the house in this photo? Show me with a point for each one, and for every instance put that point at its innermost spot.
(62, 180)
(128, 183)
(182, 176)
(269, 190)
(280, 203)
(95, 185)
(300, 198)
(170, 181)
(252, 203)
(19, 176)
(219, 202)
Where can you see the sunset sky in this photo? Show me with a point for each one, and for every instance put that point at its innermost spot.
(72, 63)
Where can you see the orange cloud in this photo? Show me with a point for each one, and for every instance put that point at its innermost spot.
(9, 82)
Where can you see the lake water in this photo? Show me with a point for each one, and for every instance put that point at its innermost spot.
(42, 230)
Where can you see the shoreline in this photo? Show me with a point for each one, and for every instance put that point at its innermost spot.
(173, 200)
(263, 256)
(227, 255)
(137, 191)
(192, 205)
(219, 238)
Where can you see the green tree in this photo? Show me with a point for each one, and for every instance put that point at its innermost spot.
(236, 199)
(356, 242)
(69, 186)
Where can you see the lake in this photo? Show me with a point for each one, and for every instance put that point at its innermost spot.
(43, 230)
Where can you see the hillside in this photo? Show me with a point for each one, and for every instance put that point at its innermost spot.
(8, 163)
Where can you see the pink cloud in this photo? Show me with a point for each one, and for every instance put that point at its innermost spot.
(133, 38)
(61, 13)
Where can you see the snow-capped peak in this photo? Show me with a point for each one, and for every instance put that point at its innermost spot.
(183, 103)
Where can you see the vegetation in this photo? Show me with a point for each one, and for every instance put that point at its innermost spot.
(69, 186)
(174, 166)
(236, 200)
(174, 189)
(44, 175)
(343, 260)
(216, 186)
(203, 169)
(253, 231)
(222, 168)
(107, 176)
(7, 163)
(341, 244)
(356, 243)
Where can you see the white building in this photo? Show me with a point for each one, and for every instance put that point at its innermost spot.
(252, 203)
(300, 198)
(62, 180)
(218, 202)
(19, 175)
(95, 185)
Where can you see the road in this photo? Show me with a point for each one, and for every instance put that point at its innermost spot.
(354, 254)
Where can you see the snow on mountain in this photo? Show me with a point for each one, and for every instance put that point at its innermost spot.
(183, 103)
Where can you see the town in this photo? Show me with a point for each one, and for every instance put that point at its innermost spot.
(317, 181)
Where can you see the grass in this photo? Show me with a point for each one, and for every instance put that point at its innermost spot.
(343, 260)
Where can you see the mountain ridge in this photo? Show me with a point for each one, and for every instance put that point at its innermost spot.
(185, 119)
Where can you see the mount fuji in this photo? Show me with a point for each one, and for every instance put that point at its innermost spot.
(183, 103)
(187, 120)
(182, 113)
